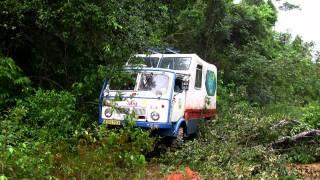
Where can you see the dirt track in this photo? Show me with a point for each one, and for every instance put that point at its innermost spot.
(307, 171)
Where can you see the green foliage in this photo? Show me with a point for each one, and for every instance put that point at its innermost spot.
(276, 77)
(26, 159)
(2, 177)
(87, 90)
(232, 146)
(12, 82)
(49, 110)
(106, 153)
(31, 147)
(69, 47)
(304, 153)
(66, 40)
(237, 144)
(239, 39)
(311, 115)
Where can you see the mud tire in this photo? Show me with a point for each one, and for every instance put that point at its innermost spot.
(178, 141)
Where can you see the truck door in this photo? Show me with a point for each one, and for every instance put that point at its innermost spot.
(178, 100)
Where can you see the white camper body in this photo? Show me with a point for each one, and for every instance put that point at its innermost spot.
(171, 91)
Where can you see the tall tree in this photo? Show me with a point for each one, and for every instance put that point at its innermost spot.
(57, 42)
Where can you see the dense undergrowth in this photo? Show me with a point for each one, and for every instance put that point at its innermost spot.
(44, 136)
(38, 140)
(237, 144)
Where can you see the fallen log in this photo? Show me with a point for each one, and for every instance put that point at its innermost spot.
(286, 122)
(299, 138)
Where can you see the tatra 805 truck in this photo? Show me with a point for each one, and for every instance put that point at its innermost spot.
(168, 92)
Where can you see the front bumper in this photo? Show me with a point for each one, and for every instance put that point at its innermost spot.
(163, 129)
(142, 124)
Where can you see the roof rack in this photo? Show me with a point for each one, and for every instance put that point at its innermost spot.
(169, 50)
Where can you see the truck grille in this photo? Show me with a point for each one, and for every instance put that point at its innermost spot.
(122, 110)
(139, 111)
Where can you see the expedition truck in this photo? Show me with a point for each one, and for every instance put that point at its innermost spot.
(169, 93)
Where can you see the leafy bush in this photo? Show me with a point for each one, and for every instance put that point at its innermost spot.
(43, 136)
(12, 82)
(29, 132)
(304, 152)
(311, 115)
(89, 153)
(112, 153)
(106, 153)
(51, 112)
(25, 159)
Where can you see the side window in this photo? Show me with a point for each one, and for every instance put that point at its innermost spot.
(198, 76)
(178, 85)
(211, 83)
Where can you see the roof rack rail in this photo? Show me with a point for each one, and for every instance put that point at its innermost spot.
(173, 51)
(169, 50)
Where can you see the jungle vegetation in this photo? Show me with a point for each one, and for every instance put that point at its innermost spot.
(54, 56)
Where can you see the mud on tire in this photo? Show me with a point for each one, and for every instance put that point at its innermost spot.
(178, 141)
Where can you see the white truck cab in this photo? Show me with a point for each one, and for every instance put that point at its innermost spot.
(169, 92)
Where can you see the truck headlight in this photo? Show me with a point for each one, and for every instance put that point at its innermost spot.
(155, 116)
(108, 112)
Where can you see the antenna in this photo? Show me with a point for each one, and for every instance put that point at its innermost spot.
(153, 51)
(172, 51)
(169, 50)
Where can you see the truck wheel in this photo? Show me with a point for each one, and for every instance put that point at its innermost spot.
(178, 141)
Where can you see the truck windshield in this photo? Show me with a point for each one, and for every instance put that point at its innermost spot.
(154, 82)
(151, 61)
(125, 81)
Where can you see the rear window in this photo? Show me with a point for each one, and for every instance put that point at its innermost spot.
(211, 83)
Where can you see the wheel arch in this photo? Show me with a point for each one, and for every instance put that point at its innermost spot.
(180, 123)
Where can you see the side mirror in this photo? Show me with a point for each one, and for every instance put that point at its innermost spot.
(106, 91)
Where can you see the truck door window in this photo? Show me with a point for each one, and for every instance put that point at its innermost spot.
(178, 85)
(198, 81)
